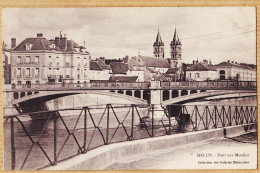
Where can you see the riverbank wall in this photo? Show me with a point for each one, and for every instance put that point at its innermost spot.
(106, 156)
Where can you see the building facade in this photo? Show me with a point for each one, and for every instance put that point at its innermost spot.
(201, 71)
(39, 61)
(230, 70)
(6, 64)
(99, 71)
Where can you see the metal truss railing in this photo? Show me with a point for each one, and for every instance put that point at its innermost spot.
(68, 132)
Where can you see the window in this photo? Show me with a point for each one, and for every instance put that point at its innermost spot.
(67, 72)
(28, 46)
(58, 71)
(222, 74)
(37, 82)
(197, 75)
(37, 60)
(67, 59)
(37, 72)
(28, 59)
(190, 75)
(49, 72)
(85, 61)
(19, 74)
(19, 60)
(28, 72)
(19, 82)
(85, 72)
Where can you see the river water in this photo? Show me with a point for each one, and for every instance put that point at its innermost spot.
(37, 158)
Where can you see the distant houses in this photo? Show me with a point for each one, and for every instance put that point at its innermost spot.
(229, 70)
(37, 60)
(201, 71)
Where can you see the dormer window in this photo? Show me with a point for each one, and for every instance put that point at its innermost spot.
(28, 46)
(52, 46)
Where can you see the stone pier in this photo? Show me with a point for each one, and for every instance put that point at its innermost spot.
(156, 100)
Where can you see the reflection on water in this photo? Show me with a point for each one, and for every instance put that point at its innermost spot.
(34, 127)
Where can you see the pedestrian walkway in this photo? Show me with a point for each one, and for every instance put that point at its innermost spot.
(229, 153)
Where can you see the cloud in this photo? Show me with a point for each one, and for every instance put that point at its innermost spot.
(116, 32)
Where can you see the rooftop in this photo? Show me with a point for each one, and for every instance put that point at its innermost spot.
(201, 67)
(119, 67)
(153, 61)
(123, 78)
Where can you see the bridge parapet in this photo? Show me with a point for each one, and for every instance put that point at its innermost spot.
(212, 85)
(209, 85)
(81, 86)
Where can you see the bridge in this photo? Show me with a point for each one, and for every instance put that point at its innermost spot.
(30, 98)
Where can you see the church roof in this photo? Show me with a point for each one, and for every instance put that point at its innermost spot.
(158, 41)
(153, 61)
(134, 65)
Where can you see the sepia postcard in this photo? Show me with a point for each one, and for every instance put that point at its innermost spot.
(129, 88)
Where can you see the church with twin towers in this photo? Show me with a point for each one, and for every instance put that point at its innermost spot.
(175, 60)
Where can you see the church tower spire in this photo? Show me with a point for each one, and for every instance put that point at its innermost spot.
(158, 46)
(175, 51)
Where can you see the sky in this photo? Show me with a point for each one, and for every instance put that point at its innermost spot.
(215, 33)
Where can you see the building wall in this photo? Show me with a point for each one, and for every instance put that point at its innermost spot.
(159, 69)
(99, 75)
(6, 67)
(201, 75)
(244, 74)
(52, 66)
(140, 74)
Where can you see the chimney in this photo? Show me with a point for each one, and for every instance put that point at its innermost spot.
(71, 46)
(57, 41)
(235, 62)
(39, 35)
(210, 62)
(13, 43)
(232, 62)
(126, 59)
(63, 43)
(228, 61)
(193, 62)
(205, 61)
